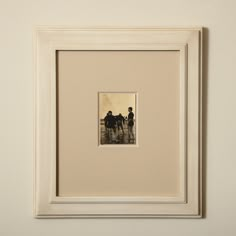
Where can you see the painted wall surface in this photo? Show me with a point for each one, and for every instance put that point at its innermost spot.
(17, 20)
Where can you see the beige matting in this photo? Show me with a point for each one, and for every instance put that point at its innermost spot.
(149, 168)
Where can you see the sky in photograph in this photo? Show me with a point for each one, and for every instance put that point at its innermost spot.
(115, 102)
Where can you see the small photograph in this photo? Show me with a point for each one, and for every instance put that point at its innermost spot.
(117, 119)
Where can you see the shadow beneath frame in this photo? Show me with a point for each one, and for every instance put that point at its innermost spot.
(204, 118)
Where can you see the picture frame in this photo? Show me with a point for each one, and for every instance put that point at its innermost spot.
(187, 42)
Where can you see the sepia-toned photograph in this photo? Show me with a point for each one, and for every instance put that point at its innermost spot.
(117, 119)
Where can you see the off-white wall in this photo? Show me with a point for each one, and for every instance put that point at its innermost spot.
(17, 18)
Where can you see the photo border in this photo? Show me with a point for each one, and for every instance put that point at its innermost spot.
(136, 123)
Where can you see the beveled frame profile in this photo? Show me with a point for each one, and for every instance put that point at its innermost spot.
(188, 41)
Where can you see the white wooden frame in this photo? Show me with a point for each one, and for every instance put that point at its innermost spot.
(189, 42)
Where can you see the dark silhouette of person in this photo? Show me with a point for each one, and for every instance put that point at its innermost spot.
(130, 123)
(120, 121)
(111, 126)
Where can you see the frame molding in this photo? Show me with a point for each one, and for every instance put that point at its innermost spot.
(189, 42)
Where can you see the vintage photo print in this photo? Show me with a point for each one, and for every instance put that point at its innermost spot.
(117, 118)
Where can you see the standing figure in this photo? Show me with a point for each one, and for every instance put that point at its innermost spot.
(130, 124)
(120, 121)
(111, 126)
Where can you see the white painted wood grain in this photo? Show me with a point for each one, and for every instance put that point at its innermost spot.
(188, 42)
